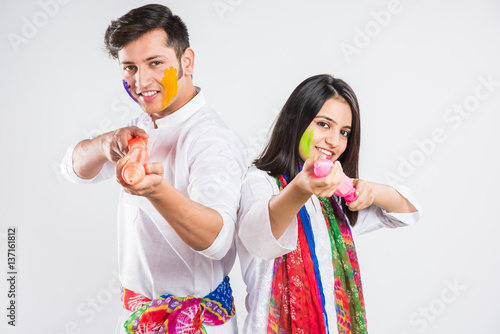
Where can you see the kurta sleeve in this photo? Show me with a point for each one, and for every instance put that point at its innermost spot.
(107, 171)
(373, 217)
(217, 168)
(254, 226)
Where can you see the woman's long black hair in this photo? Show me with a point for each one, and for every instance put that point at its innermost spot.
(281, 154)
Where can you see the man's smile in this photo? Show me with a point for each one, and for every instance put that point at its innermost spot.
(149, 93)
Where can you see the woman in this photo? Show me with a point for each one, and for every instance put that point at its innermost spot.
(294, 237)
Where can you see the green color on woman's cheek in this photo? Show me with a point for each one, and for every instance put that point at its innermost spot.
(306, 142)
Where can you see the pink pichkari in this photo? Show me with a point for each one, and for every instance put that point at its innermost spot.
(346, 189)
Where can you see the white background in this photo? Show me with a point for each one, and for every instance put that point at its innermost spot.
(410, 62)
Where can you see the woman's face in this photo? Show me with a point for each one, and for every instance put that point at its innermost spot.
(329, 131)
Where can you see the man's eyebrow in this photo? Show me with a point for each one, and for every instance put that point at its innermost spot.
(125, 62)
(331, 120)
(154, 57)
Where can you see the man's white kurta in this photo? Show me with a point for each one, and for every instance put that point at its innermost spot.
(205, 160)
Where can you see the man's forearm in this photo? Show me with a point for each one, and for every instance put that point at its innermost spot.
(88, 158)
(197, 225)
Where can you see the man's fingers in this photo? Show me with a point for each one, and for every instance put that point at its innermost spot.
(154, 168)
(135, 131)
(122, 143)
(141, 133)
(120, 163)
(124, 135)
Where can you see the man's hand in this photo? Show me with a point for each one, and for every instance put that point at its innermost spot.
(91, 154)
(115, 144)
(197, 225)
(152, 185)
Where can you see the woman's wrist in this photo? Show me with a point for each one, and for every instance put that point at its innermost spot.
(377, 193)
(300, 186)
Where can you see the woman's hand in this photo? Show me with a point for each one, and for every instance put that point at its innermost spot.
(321, 187)
(365, 192)
(381, 195)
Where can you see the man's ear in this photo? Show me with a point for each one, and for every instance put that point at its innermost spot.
(188, 61)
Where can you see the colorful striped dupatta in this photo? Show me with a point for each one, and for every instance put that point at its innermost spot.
(297, 302)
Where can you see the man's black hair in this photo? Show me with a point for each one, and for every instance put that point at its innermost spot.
(142, 20)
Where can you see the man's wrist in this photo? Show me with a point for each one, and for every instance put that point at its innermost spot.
(159, 192)
(103, 142)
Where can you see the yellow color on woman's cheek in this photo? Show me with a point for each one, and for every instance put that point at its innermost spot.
(169, 83)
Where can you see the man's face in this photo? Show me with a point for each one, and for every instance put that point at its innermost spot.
(150, 71)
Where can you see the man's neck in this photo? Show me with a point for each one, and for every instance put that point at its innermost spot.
(187, 95)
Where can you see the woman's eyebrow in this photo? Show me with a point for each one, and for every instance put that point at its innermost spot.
(331, 120)
(327, 118)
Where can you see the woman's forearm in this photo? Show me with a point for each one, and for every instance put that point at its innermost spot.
(284, 207)
(390, 199)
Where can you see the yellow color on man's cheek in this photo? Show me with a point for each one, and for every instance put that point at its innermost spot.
(169, 83)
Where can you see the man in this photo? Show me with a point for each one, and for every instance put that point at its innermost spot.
(175, 227)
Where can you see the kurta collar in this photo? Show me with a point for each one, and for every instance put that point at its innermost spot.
(182, 114)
